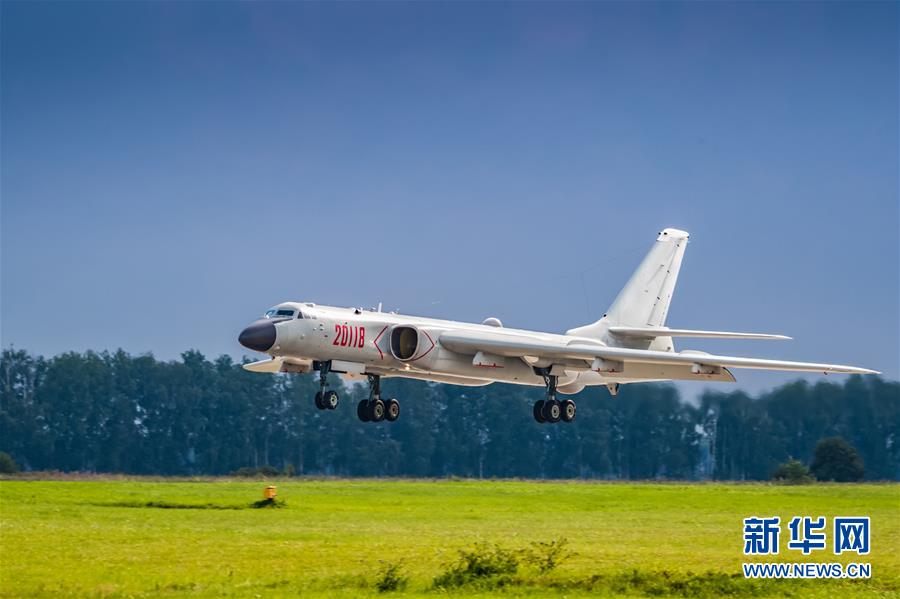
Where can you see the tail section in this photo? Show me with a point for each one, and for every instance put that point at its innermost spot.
(645, 299)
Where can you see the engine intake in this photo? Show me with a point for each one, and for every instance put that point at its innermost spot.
(404, 342)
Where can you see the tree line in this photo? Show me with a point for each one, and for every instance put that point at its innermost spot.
(116, 412)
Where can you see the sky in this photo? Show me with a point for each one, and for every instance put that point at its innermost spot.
(168, 170)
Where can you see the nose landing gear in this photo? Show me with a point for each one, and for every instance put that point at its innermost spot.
(325, 400)
(551, 410)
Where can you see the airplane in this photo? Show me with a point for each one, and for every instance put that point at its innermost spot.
(629, 343)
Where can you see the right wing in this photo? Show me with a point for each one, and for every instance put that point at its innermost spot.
(280, 364)
(272, 365)
(512, 345)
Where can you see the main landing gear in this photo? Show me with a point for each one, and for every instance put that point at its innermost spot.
(325, 400)
(376, 409)
(551, 409)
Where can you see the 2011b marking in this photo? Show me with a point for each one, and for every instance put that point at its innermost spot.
(349, 336)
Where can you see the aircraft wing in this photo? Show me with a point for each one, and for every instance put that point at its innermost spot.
(279, 364)
(651, 332)
(511, 345)
(271, 365)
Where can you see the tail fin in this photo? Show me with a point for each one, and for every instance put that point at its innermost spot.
(645, 299)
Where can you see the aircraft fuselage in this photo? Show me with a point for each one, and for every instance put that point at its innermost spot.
(629, 343)
(360, 342)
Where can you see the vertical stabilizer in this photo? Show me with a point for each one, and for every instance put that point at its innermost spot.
(645, 299)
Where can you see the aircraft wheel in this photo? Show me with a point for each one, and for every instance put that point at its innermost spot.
(319, 403)
(362, 410)
(568, 410)
(539, 411)
(330, 400)
(392, 410)
(376, 410)
(552, 411)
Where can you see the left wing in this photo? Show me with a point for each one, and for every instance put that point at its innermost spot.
(511, 345)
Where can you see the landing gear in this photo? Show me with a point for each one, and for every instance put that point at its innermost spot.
(568, 410)
(551, 409)
(325, 400)
(539, 411)
(392, 410)
(375, 409)
(362, 410)
(613, 388)
(330, 399)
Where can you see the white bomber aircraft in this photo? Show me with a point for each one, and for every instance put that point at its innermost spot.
(630, 343)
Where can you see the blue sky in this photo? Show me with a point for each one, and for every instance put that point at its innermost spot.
(169, 170)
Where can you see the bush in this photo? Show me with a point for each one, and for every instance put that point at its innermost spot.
(391, 579)
(836, 460)
(484, 564)
(7, 464)
(793, 472)
(664, 583)
(547, 556)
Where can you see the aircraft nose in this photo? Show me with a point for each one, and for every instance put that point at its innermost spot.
(259, 336)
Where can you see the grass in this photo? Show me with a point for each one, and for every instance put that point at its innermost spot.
(143, 538)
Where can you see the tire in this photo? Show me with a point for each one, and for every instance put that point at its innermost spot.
(330, 400)
(568, 411)
(539, 411)
(552, 411)
(376, 410)
(362, 410)
(319, 403)
(392, 410)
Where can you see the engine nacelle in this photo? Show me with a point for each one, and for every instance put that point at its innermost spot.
(571, 388)
(409, 343)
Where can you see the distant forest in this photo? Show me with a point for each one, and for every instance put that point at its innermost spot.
(114, 412)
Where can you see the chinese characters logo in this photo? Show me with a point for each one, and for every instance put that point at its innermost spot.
(807, 534)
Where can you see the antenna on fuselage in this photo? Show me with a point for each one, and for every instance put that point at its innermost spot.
(379, 306)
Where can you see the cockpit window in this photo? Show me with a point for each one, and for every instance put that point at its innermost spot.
(280, 313)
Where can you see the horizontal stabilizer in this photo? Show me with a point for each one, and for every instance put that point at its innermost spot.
(651, 332)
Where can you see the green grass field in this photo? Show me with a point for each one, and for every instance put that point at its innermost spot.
(134, 537)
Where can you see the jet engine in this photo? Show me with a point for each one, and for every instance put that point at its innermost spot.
(409, 343)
